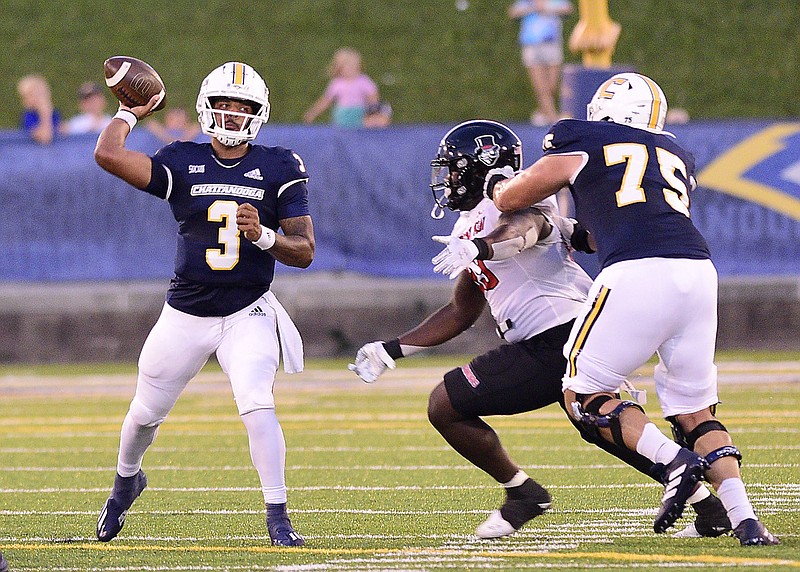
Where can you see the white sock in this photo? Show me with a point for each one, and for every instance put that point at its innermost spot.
(268, 452)
(701, 493)
(734, 497)
(134, 440)
(519, 478)
(656, 446)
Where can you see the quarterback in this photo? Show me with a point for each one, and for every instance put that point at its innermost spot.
(656, 293)
(520, 265)
(230, 198)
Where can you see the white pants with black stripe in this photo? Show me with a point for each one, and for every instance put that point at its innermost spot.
(637, 308)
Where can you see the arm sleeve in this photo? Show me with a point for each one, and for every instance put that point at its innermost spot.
(293, 193)
(161, 179)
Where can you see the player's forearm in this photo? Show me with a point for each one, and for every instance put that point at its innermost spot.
(441, 326)
(293, 250)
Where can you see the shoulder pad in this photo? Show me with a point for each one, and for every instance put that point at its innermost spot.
(563, 136)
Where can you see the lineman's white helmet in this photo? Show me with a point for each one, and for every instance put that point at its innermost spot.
(630, 99)
(233, 80)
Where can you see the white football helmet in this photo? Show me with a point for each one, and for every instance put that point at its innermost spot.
(233, 80)
(630, 99)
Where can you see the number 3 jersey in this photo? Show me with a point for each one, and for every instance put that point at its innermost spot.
(632, 192)
(533, 291)
(217, 270)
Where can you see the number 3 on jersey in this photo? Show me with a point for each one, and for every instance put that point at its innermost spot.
(635, 156)
(226, 257)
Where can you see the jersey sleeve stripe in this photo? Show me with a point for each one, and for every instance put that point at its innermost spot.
(289, 184)
(169, 183)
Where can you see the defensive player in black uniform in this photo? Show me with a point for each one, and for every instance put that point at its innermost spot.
(656, 293)
(230, 198)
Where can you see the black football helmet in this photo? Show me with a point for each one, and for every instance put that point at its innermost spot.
(466, 154)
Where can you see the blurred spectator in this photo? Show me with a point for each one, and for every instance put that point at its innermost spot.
(542, 44)
(39, 118)
(677, 116)
(92, 117)
(378, 115)
(176, 126)
(350, 91)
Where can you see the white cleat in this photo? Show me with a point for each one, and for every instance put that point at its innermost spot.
(688, 532)
(495, 526)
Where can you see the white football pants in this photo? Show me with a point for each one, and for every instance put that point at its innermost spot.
(637, 308)
(247, 347)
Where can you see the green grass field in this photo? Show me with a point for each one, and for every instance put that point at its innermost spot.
(372, 486)
(432, 62)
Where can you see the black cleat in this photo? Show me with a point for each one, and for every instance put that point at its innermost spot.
(112, 517)
(711, 520)
(523, 503)
(280, 527)
(3, 563)
(752, 532)
(680, 477)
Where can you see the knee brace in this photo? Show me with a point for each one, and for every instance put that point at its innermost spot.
(144, 416)
(726, 451)
(591, 417)
(689, 439)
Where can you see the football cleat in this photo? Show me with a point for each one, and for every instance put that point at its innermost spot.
(280, 527)
(680, 477)
(523, 503)
(3, 563)
(112, 516)
(752, 532)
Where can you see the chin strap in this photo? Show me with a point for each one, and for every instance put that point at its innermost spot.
(437, 212)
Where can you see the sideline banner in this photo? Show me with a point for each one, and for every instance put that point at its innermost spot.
(66, 219)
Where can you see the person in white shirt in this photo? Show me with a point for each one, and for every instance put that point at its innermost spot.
(93, 117)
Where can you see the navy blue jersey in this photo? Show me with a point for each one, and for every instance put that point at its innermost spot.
(217, 270)
(632, 193)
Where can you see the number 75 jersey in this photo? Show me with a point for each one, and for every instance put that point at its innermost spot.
(632, 191)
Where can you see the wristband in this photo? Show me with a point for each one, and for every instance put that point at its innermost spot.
(580, 240)
(393, 348)
(483, 248)
(396, 350)
(127, 116)
(267, 238)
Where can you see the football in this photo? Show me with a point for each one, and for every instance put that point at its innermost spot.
(133, 81)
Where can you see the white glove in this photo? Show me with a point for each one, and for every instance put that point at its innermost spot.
(371, 361)
(456, 256)
(494, 176)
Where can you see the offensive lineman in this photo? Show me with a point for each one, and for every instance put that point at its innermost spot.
(656, 292)
(521, 266)
(229, 197)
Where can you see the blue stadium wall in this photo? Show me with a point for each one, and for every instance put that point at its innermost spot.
(64, 219)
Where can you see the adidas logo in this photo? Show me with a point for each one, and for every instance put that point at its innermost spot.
(254, 174)
(257, 311)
